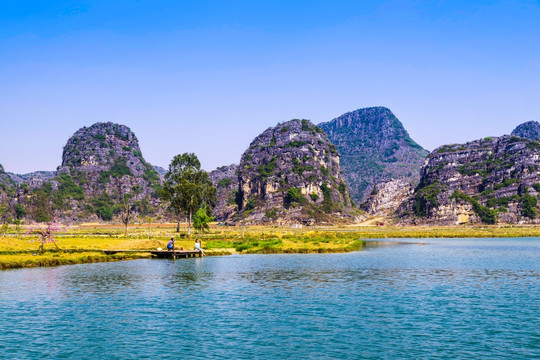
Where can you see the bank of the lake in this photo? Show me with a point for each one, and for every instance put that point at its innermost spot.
(84, 243)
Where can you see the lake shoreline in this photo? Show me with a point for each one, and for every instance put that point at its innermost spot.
(81, 244)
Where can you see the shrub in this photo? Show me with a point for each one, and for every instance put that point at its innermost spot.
(486, 215)
(293, 197)
(328, 203)
(271, 214)
(529, 204)
(224, 182)
(314, 197)
(267, 169)
(426, 199)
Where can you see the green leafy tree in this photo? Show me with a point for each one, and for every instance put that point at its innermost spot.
(201, 219)
(187, 188)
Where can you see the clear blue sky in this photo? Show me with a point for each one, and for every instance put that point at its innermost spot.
(208, 76)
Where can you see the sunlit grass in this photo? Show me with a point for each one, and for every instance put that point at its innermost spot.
(84, 243)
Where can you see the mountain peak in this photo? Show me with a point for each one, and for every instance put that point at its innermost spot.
(529, 130)
(374, 147)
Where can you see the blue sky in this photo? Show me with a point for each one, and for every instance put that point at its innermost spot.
(209, 76)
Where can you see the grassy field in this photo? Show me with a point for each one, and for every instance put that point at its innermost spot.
(84, 243)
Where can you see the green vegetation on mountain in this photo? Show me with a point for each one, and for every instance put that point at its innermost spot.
(374, 148)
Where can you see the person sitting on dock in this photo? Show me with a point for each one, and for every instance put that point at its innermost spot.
(198, 247)
(170, 245)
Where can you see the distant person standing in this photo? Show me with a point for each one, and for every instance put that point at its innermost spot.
(198, 246)
(170, 244)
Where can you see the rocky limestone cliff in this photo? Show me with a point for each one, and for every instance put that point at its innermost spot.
(6, 186)
(388, 196)
(41, 175)
(291, 174)
(225, 179)
(374, 148)
(529, 130)
(106, 161)
(485, 181)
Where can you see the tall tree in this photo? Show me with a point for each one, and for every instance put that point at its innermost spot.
(187, 188)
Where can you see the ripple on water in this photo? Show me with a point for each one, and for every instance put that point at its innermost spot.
(446, 299)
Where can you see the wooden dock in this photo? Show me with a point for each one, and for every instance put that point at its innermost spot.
(162, 254)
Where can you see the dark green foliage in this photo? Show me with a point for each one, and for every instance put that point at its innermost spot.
(267, 169)
(343, 190)
(20, 211)
(296, 143)
(324, 171)
(501, 202)
(151, 176)
(120, 168)
(104, 177)
(426, 199)
(137, 153)
(271, 214)
(328, 203)
(273, 141)
(100, 137)
(306, 125)
(529, 206)
(104, 207)
(294, 197)
(536, 186)
(68, 189)
(505, 183)
(300, 169)
(126, 148)
(284, 129)
(187, 187)
(314, 197)
(201, 219)
(224, 182)
(486, 214)
(251, 203)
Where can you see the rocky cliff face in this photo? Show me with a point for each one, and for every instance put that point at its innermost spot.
(225, 179)
(529, 130)
(388, 196)
(41, 175)
(374, 148)
(290, 174)
(106, 162)
(6, 186)
(490, 180)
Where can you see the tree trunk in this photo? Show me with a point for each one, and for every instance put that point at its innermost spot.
(189, 225)
(126, 232)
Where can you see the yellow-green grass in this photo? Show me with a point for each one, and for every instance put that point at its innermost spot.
(83, 243)
(12, 261)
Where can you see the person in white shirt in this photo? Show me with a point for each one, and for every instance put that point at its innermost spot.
(198, 247)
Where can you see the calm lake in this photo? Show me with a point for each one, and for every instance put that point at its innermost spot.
(444, 299)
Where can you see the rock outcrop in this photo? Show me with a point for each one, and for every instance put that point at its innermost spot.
(105, 161)
(490, 180)
(291, 174)
(41, 175)
(374, 148)
(387, 197)
(6, 186)
(225, 179)
(529, 130)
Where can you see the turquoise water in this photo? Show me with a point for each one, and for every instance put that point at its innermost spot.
(446, 299)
